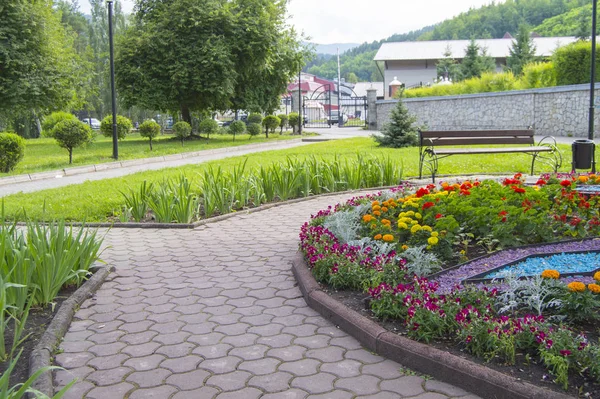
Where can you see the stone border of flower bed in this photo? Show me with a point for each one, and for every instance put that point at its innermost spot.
(426, 359)
(41, 356)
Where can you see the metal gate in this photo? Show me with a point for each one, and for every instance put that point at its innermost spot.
(354, 111)
(317, 107)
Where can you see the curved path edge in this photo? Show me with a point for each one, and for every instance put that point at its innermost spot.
(442, 365)
(41, 356)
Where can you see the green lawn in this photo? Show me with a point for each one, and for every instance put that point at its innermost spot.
(44, 154)
(95, 201)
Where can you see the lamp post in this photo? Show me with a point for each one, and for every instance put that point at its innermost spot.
(115, 138)
(593, 73)
(300, 109)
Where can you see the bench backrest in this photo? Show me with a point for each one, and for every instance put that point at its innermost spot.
(475, 137)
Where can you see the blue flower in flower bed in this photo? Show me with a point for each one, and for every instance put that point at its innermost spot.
(564, 263)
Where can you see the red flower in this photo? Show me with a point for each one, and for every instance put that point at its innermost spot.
(476, 184)
(439, 215)
(428, 205)
(565, 352)
(518, 190)
(541, 182)
(421, 192)
(565, 183)
(465, 192)
(502, 213)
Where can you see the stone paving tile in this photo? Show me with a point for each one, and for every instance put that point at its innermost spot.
(215, 312)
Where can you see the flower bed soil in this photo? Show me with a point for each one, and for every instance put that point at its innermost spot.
(36, 325)
(523, 369)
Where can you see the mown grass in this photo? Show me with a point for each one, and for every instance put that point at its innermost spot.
(44, 154)
(97, 200)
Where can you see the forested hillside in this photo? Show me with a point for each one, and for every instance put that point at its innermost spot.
(546, 17)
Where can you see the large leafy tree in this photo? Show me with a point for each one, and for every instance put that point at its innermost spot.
(36, 58)
(203, 55)
(522, 51)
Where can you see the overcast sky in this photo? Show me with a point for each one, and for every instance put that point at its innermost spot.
(358, 21)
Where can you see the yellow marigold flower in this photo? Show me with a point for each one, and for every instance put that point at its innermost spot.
(435, 234)
(404, 247)
(376, 213)
(388, 238)
(410, 213)
(576, 286)
(376, 207)
(583, 179)
(415, 228)
(418, 215)
(548, 273)
(427, 228)
(367, 218)
(597, 276)
(402, 214)
(432, 240)
(402, 225)
(377, 237)
(456, 186)
(414, 222)
(595, 288)
(384, 209)
(374, 203)
(400, 200)
(536, 188)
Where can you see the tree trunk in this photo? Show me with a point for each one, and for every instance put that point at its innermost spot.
(70, 156)
(150, 144)
(267, 131)
(185, 114)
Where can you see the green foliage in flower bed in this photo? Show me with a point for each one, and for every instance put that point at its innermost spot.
(380, 243)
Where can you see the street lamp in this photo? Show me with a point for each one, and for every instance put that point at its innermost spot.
(115, 138)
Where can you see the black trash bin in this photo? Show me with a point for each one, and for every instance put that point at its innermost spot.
(583, 153)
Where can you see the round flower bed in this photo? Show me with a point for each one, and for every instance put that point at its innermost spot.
(387, 244)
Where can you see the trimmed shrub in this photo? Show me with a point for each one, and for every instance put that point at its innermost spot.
(572, 63)
(271, 122)
(237, 127)
(71, 134)
(294, 120)
(182, 130)
(255, 118)
(538, 74)
(150, 130)
(208, 126)
(283, 120)
(51, 120)
(253, 129)
(12, 150)
(124, 126)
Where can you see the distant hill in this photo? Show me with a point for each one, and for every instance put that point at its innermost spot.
(545, 17)
(332, 48)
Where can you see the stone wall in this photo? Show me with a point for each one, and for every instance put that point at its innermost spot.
(556, 111)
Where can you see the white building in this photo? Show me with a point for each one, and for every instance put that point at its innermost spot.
(414, 63)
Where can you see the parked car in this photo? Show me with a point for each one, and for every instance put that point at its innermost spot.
(93, 122)
(334, 118)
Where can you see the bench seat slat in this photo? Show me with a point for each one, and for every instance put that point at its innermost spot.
(499, 150)
(477, 141)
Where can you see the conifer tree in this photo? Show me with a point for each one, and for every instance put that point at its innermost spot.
(522, 51)
(400, 131)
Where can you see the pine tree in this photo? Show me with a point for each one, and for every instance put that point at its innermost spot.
(486, 61)
(471, 65)
(522, 51)
(400, 132)
(448, 66)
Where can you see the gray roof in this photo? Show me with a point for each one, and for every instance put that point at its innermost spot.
(360, 89)
(433, 50)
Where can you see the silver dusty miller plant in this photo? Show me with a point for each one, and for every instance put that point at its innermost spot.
(345, 225)
(377, 247)
(535, 293)
(421, 262)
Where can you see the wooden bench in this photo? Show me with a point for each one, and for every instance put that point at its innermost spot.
(430, 154)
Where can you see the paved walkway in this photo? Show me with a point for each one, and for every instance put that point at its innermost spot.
(215, 312)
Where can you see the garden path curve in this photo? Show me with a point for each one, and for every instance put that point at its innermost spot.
(215, 312)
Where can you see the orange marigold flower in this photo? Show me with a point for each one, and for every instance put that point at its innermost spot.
(385, 221)
(388, 238)
(367, 218)
(583, 179)
(595, 288)
(376, 213)
(576, 286)
(597, 276)
(384, 209)
(377, 237)
(404, 247)
(375, 203)
(548, 273)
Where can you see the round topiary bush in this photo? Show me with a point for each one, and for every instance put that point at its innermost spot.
(255, 118)
(283, 122)
(208, 126)
(253, 129)
(51, 120)
(182, 130)
(237, 127)
(12, 150)
(271, 122)
(71, 134)
(294, 120)
(124, 126)
(150, 130)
